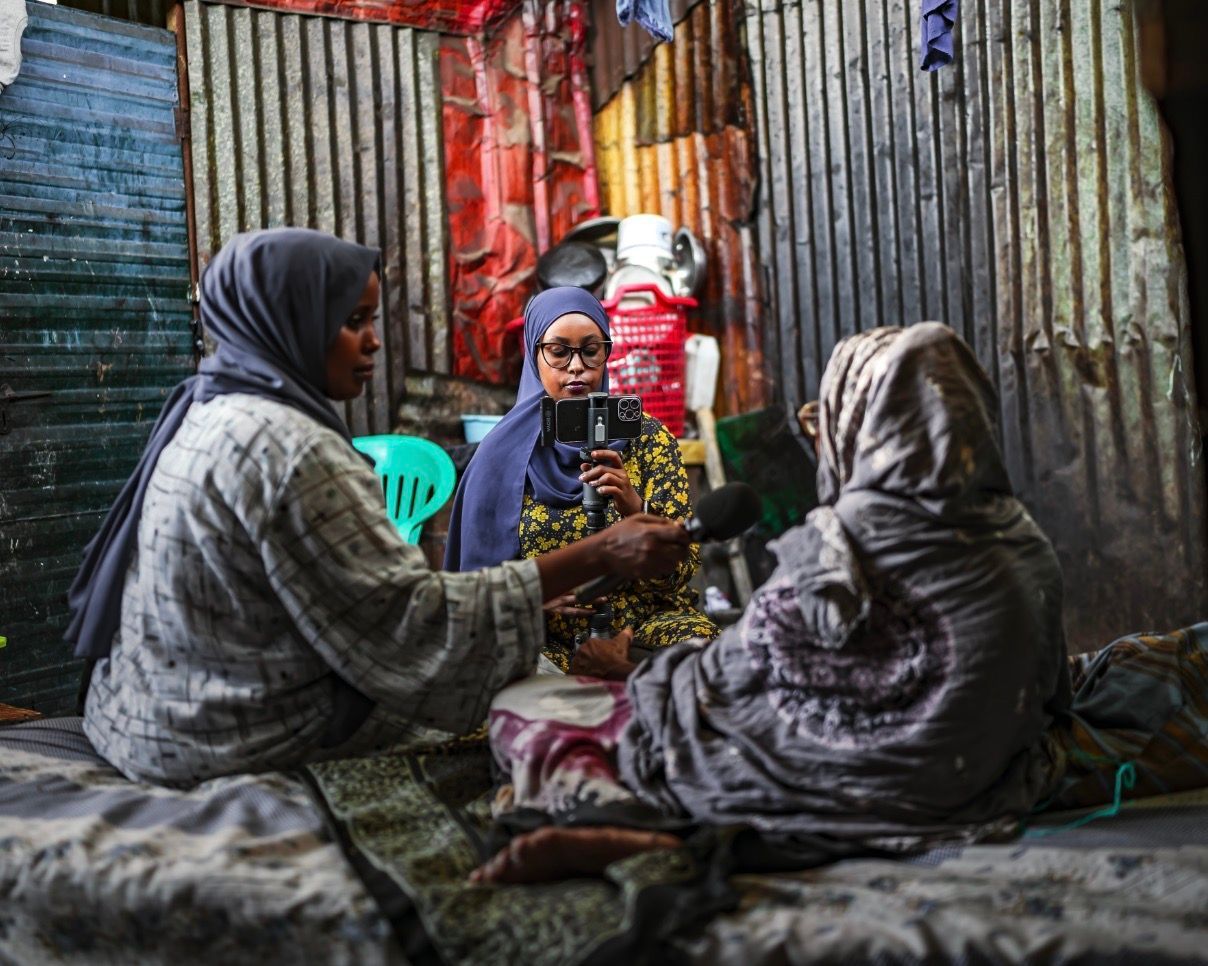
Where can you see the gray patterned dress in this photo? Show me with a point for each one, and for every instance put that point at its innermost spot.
(893, 679)
(270, 596)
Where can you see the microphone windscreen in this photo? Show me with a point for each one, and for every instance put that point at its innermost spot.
(726, 512)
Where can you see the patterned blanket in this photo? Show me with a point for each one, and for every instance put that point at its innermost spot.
(1131, 889)
(424, 822)
(365, 861)
(1141, 701)
(96, 869)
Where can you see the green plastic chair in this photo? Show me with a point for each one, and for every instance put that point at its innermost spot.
(417, 478)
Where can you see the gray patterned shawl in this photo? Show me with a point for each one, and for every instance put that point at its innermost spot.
(891, 681)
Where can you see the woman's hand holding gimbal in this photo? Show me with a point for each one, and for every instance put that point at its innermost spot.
(566, 605)
(609, 478)
(605, 657)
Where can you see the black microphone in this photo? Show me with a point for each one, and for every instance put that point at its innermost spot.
(722, 514)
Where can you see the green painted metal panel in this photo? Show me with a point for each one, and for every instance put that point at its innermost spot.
(94, 310)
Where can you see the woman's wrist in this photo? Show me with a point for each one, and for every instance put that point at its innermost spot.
(621, 671)
(636, 548)
(630, 506)
(567, 567)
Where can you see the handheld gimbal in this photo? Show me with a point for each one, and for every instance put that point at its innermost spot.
(595, 504)
(590, 422)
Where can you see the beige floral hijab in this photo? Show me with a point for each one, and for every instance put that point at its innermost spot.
(910, 413)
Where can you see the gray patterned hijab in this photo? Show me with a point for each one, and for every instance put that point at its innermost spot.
(891, 681)
(910, 411)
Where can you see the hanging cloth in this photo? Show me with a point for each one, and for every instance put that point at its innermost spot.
(653, 15)
(12, 25)
(935, 33)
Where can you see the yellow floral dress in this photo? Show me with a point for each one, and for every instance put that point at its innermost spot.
(662, 611)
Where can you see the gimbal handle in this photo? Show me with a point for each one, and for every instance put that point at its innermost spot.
(595, 503)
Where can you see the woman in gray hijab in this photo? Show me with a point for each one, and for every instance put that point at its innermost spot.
(247, 603)
(892, 681)
(895, 676)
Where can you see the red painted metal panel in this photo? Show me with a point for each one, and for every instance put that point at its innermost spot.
(445, 16)
(520, 169)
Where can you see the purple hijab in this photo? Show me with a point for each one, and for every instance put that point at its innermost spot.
(273, 301)
(485, 522)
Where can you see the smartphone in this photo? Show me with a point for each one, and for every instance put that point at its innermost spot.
(567, 419)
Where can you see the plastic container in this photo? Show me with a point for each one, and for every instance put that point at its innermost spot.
(703, 363)
(645, 240)
(648, 351)
(637, 279)
(477, 425)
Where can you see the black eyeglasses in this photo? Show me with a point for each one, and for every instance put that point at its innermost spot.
(558, 355)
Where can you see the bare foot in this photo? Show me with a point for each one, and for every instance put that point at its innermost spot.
(550, 854)
(505, 799)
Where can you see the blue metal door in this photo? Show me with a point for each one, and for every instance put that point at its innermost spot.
(95, 319)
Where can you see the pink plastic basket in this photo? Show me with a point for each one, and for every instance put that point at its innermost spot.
(648, 351)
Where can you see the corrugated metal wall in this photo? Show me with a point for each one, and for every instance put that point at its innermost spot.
(153, 13)
(1022, 197)
(334, 125)
(94, 281)
(444, 16)
(679, 140)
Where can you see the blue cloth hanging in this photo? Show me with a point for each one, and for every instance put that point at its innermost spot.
(653, 15)
(935, 32)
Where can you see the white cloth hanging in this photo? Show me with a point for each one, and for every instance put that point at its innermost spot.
(12, 25)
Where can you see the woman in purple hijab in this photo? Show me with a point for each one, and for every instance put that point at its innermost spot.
(247, 603)
(519, 499)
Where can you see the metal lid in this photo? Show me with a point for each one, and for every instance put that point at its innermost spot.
(572, 263)
(690, 262)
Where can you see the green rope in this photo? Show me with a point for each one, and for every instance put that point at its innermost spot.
(1126, 777)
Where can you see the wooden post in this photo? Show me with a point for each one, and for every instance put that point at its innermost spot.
(715, 473)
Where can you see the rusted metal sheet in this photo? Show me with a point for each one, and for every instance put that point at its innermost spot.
(1022, 197)
(678, 140)
(153, 13)
(1171, 38)
(331, 125)
(520, 168)
(617, 53)
(445, 16)
(94, 279)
